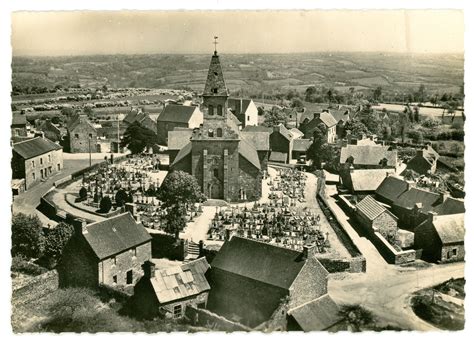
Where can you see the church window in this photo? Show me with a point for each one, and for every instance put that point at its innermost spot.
(219, 110)
(211, 110)
(210, 133)
(214, 90)
(216, 172)
(219, 132)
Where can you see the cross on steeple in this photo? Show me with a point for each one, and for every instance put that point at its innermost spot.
(215, 45)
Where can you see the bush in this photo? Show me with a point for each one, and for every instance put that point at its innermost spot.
(55, 241)
(121, 197)
(83, 193)
(105, 204)
(22, 265)
(27, 236)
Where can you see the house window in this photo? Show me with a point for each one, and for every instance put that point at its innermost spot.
(211, 110)
(114, 278)
(219, 132)
(34, 176)
(49, 158)
(114, 261)
(177, 311)
(59, 166)
(76, 136)
(219, 110)
(454, 252)
(129, 277)
(42, 174)
(90, 136)
(41, 160)
(248, 118)
(33, 163)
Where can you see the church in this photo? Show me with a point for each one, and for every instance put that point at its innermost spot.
(226, 165)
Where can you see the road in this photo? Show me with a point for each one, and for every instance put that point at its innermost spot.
(385, 288)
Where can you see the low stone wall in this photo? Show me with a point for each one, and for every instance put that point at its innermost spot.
(62, 181)
(70, 199)
(35, 288)
(206, 318)
(389, 253)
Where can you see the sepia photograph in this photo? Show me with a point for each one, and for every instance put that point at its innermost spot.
(237, 171)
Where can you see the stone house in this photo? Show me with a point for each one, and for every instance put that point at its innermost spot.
(369, 157)
(250, 280)
(281, 144)
(363, 181)
(390, 189)
(167, 292)
(82, 135)
(18, 126)
(376, 218)
(144, 119)
(226, 165)
(177, 116)
(425, 161)
(300, 148)
(325, 118)
(109, 252)
(441, 238)
(50, 130)
(245, 110)
(35, 160)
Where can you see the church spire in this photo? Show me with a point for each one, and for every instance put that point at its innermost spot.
(215, 83)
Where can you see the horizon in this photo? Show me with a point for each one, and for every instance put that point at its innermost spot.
(83, 33)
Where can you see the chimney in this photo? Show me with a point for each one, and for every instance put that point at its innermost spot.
(431, 214)
(419, 152)
(308, 251)
(344, 142)
(148, 269)
(132, 208)
(316, 115)
(387, 174)
(79, 226)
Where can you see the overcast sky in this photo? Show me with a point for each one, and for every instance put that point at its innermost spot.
(82, 33)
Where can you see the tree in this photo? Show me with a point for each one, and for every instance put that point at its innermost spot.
(319, 151)
(357, 317)
(137, 138)
(83, 193)
(179, 189)
(372, 121)
(378, 93)
(416, 114)
(105, 204)
(410, 175)
(356, 128)
(296, 103)
(274, 117)
(55, 241)
(121, 197)
(27, 236)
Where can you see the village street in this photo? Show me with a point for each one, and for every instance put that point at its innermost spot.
(384, 288)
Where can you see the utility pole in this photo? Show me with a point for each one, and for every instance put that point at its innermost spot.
(90, 157)
(118, 134)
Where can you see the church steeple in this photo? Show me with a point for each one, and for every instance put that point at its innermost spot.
(215, 83)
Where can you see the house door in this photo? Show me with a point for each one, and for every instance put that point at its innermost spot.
(215, 191)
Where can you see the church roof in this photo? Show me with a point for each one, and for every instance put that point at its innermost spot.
(176, 113)
(215, 83)
(249, 152)
(185, 151)
(178, 138)
(260, 140)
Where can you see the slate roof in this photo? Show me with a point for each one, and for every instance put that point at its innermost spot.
(368, 155)
(368, 179)
(182, 281)
(77, 120)
(178, 138)
(244, 104)
(327, 119)
(296, 133)
(450, 228)
(215, 79)
(370, 208)
(278, 157)
(259, 261)
(450, 206)
(35, 147)
(18, 120)
(342, 114)
(414, 196)
(115, 235)
(260, 140)
(391, 188)
(301, 145)
(176, 113)
(183, 152)
(317, 315)
(257, 129)
(249, 152)
(284, 132)
(133, 116)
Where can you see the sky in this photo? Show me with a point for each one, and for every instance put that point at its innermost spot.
(142, 32)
